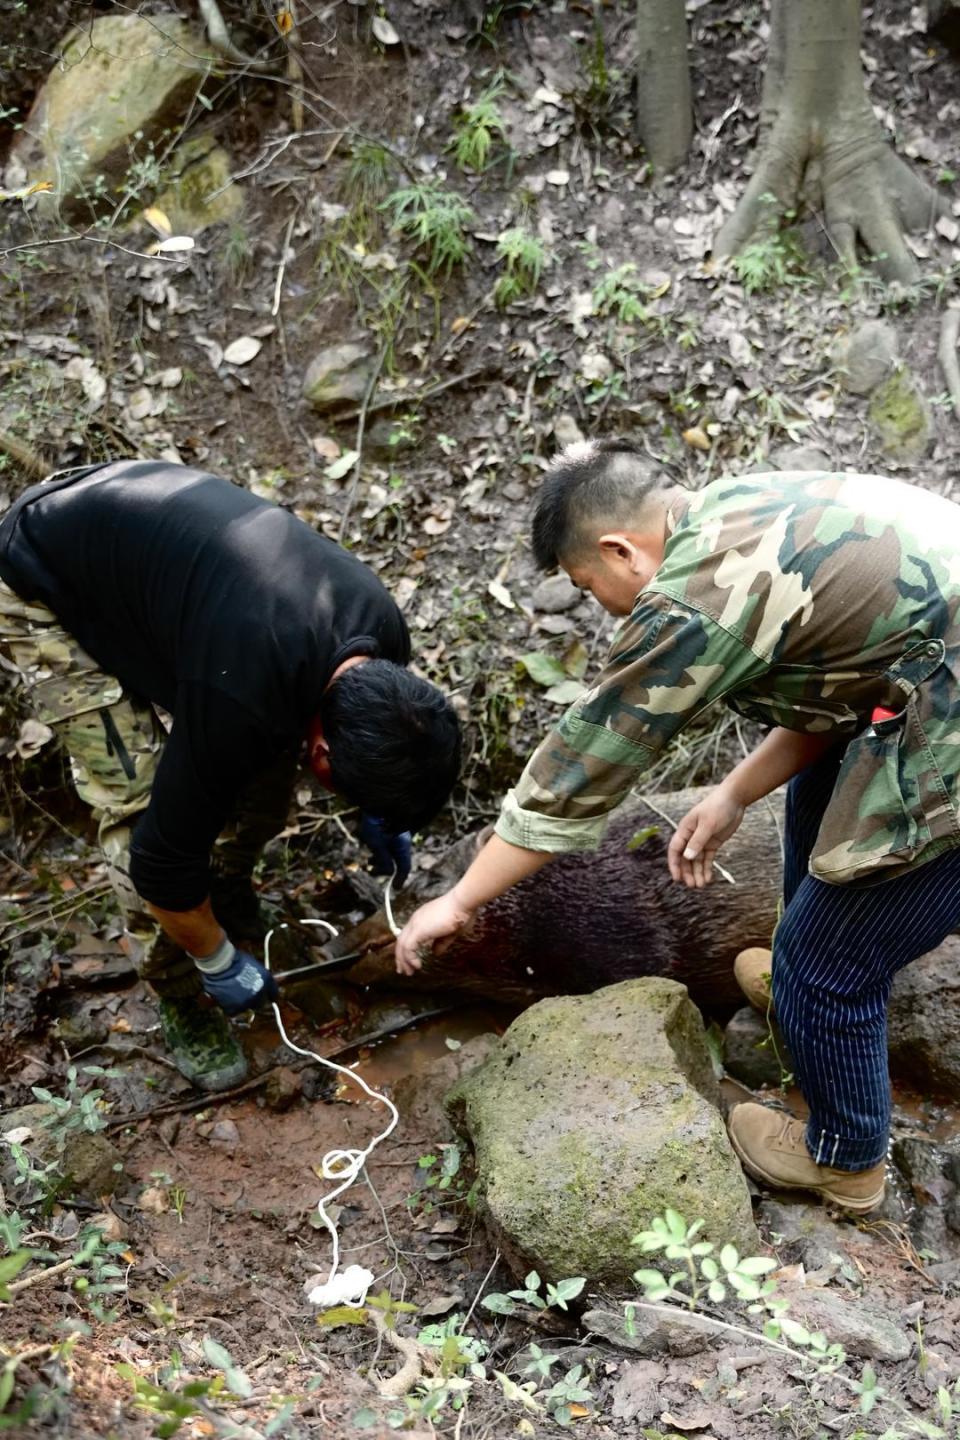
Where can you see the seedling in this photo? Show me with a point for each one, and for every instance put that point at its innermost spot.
(524, 258)
(476, 127)
(435, 219)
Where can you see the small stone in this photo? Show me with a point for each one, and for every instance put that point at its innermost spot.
(283, 1087)
(900, 417)
(338, 375)
(684, 1333)
(555, 594)
(799, 457)
(225, 1136)
(813, 1238)
(866, 356)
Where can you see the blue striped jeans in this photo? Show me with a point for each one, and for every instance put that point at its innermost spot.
(835, 953)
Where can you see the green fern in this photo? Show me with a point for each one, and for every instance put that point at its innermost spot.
(435, 220)
(524, 258)
(476, 128)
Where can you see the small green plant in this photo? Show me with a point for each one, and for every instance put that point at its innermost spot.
(435, 220)
(768, 262)
(438, 1175)
(556, 1295)
(77, 1110)
(476, 127)
(524, 257)
(622, 294)
(567, 1397)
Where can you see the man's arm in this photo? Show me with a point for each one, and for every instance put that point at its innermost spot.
(497, 868)
(699, 835)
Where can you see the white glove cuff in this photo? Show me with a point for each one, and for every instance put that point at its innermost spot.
(220, 960)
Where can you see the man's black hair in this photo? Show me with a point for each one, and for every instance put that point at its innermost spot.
(594, 480)
(394, 742)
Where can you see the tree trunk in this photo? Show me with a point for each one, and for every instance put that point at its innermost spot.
(590, 920)
(823, 148)
(664, 107)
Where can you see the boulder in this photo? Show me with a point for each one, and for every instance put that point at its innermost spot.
(555, 594)
(200, 192)
(866, 356)
(923, 1020)
(900, 417)
(592, 1116)
(122, 80)
(339, 375)
(86, 1163)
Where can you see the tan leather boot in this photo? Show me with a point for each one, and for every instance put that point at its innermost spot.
(752, 972)
(772, 1148)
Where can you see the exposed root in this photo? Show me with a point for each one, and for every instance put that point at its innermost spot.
(947, 354)
(219, 35)
(864, 191)
(400, 1384)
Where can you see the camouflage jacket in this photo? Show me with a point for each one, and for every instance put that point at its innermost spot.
(803, 601)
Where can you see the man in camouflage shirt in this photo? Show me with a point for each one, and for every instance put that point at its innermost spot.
(824, 606)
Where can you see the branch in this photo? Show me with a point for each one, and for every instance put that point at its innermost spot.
(947, 354)
(361, 425)
(219, 35)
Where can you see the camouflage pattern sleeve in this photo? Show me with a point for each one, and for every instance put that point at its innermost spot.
(667, 663)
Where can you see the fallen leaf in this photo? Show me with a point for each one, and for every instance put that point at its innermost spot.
(338, 468)
(435, 526)
(948, 228)
(153, 1200)
(501, 594)
(384, 31)
(565, 692)
(461, 323)
(696, 437)
(445, 1225)
(558, 177)
(18, 1135)
(284, 22)
(156, 218)
(443, 1304)
(544, 669)
(326, 447)
(172, 244)
(242, 350)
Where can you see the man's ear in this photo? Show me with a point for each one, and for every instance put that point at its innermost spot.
(617, 546)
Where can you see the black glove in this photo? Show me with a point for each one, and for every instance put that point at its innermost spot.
(236, 981)
(391, 849)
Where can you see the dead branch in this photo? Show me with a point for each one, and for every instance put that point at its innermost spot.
(219, 35)
(361, 425)
(947, 354)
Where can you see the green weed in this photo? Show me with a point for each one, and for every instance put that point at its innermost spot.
(769, 262)
(524, 257)
(435, 220)
(476, 129)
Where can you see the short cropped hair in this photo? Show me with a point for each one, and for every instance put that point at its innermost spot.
(394, 742)
(591, 484)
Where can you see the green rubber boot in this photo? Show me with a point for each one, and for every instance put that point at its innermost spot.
(202, 1045)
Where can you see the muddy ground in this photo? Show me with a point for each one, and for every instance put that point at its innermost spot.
(214, 1212)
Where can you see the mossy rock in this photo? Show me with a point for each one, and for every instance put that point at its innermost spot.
(900, 417)
(200, 193)
(124, 80)
(592, 1115)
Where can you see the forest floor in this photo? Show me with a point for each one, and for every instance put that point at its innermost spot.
(628, 330)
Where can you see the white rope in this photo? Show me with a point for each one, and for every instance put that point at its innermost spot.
(345, 1166)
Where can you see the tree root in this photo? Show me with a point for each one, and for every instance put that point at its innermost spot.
(219, 36)
(400, 1384)
(947, 354)
(863, 190)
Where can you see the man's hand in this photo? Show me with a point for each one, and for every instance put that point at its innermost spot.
(391, 850)
(235, 980)
(443, 916)
(700, 834)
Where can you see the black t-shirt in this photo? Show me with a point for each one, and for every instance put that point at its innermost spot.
(222, 608)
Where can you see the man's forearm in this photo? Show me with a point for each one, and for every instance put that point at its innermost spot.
(497, 867)
(779, 756)
(196, 931)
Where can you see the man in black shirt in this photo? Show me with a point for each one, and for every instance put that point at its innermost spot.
(254, 634)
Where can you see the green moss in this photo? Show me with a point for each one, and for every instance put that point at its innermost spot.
(900, 416)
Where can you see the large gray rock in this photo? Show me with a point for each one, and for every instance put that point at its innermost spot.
(799, 457)
(339, 375)
(924, 1020)
(123, 80)
(754, 1052)
(555, 594)
(866, 356)
(593, 1115)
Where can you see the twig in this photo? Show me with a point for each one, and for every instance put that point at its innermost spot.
(16, 1286)
(195, 1102)
(947, 354)
(673, 824)
(417, 397)
(361, 426)
(219, 35)
(283, 261)
(294, 69)
(483, 1285)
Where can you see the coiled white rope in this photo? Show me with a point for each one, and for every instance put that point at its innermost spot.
(345, 1166)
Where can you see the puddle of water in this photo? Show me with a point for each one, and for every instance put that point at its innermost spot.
(415, 1050)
